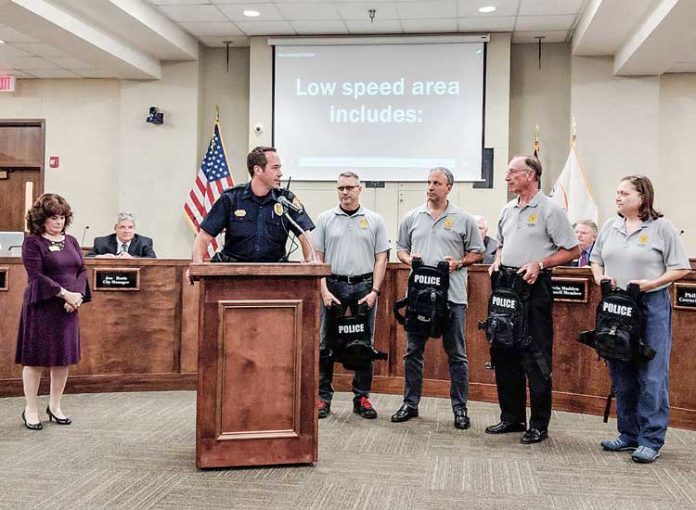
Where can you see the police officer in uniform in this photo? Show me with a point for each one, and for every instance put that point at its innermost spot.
(641, 247)
(434, 232)
(354, 241)
(533, 235)
(256, 229)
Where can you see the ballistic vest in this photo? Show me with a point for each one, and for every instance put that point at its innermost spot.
(350, 337)
(427, 310)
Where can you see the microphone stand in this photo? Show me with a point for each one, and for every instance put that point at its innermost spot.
(302, 232)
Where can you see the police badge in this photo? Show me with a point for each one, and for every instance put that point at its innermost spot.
(278, 209)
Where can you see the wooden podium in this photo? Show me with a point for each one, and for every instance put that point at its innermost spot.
(258, 347)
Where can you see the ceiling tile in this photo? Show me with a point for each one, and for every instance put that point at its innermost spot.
(31, 63)
(235, 12)
(39, 49)
(387, 26)
(296, 11)
(221, 28)
(430, 9)
(179, 2)
(469, 8)
(319, 27)
(54, 73)
(21, 74)
(429, 25)
(550, 7)
(188, 13)
(8, 34)
(527, 23)
(265, 27)
(69, 62)
(359, 10)
(551, 36)
(500, 24)
(219, 42)
(11, 51)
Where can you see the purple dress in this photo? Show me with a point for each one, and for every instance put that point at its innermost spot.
(48, 335)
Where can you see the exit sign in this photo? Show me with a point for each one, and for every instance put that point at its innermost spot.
(7, 83)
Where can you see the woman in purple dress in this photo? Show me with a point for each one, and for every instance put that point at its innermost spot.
(49, 335)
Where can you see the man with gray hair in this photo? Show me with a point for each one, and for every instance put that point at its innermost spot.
(586, 233)
(440, 231)
(124, 242)
(489, 243)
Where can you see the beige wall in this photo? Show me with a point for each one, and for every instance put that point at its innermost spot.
(112, 159)
(541, 97)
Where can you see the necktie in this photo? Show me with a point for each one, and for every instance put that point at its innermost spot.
(583, 259)
(124, 248)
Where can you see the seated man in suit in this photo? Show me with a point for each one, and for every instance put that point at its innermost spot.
(586, 234)
(124, 242)
(490, 243)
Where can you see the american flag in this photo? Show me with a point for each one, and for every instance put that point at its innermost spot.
(213, 178)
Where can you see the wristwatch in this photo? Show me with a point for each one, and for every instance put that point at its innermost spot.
(62, 292)
(376, 291)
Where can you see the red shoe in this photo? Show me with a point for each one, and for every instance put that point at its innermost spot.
(324, 409)
(363, 407)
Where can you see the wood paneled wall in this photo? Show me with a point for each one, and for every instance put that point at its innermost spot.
(147, 340)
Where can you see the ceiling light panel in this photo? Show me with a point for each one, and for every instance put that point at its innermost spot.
(268, 12)
(469, 8)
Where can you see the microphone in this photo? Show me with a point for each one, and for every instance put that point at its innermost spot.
(681, 232)
(84, 232)
(286, 203)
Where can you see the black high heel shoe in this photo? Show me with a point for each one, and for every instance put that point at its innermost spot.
(59, 421)
(31, 426)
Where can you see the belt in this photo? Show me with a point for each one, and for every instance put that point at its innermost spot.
(350, 279)
(513, 270)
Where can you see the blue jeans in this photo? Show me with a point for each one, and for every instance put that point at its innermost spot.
(362, 379)
(642, 389)
(455, 347)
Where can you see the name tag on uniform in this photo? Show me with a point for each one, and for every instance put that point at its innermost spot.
(448, 224)
(240, 213)
(54, 247)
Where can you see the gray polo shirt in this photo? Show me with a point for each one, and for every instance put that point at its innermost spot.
(349, 243)
(533, 232)
(454, 233)
(644, 254)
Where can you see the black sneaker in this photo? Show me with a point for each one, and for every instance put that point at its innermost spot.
(363, 407)
(461, 419)
(324, 409)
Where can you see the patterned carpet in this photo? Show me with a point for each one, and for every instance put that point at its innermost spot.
(137, 450)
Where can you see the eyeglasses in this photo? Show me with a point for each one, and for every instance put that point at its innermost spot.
(341, 189)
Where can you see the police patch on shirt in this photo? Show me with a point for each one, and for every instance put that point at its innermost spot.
(278, 209)
(240, 213)
(643, 239)
(363, 223)
(532, 219)
(448, 223)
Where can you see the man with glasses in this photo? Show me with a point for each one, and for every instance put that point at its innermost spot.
(534, 235)
(353, 240)
(124, 242)
(437, 231)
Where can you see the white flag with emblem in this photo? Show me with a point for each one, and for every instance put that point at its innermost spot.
(572, 191)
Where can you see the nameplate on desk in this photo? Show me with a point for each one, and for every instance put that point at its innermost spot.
(569, 290)
(121, 278)
(685, 296)
(4, 278)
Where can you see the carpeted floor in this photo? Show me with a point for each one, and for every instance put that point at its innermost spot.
(137, 450)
